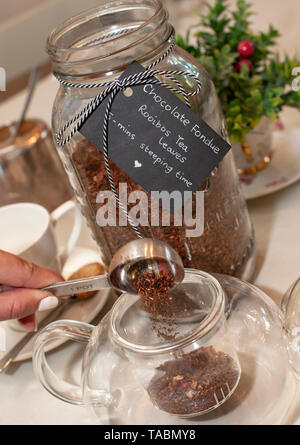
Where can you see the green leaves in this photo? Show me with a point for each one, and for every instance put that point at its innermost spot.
(249, 95)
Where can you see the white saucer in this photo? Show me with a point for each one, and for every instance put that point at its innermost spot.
(283, 170)
(83, 310)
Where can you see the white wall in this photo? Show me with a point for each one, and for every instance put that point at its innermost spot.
(10, 9)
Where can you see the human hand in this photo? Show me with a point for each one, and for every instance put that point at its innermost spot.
(20, 294)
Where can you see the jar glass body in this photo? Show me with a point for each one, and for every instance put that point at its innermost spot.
(227, 243)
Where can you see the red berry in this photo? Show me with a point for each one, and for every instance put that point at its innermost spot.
(245, 48)
(278, 125)
(245, 62)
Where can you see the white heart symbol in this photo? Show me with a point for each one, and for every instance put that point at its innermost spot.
(137, 164)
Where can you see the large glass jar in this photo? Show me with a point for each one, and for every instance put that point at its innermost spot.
(97, 46)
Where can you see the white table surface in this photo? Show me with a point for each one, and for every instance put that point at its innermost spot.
(276, 220)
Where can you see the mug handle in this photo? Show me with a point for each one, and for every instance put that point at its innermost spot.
(57, 214)
(70, 330)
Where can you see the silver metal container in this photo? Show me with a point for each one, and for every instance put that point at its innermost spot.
(30, 169)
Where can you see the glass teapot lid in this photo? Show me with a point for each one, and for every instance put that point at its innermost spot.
(150, 324)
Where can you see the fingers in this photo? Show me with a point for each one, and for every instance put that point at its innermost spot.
(20, 303)
(20, 294)
(16, 272)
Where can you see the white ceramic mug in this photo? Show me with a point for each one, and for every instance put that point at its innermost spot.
(27, 230)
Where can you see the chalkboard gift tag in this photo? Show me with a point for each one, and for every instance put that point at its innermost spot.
(156, 139)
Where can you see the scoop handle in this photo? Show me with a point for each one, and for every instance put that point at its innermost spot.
(79, 286)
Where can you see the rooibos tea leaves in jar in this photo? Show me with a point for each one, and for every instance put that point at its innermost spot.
(212, 230)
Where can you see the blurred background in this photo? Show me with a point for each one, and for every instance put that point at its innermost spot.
(24, 27)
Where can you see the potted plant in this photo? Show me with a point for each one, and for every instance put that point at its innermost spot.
(252, 81)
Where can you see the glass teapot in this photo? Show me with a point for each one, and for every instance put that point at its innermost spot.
(209, 361)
